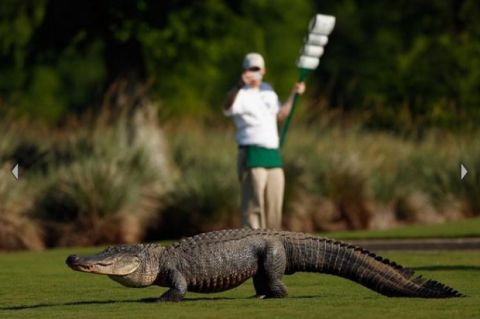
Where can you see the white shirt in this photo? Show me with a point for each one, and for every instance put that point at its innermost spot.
(254, 112)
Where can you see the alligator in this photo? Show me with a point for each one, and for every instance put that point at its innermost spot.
(221, 260)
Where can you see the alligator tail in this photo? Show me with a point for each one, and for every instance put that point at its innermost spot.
(314, 254)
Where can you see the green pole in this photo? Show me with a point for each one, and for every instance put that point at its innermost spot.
(283, 133)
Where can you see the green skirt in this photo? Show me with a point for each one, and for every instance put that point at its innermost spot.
(258, 156)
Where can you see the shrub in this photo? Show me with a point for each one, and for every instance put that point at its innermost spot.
(111, 178)
(349, 189)
(206, 193)
(17, 229)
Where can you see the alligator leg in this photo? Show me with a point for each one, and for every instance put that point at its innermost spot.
(178, 288)
(261, 284)
(274, 267)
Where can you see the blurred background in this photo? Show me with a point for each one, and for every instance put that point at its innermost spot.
(112, 110)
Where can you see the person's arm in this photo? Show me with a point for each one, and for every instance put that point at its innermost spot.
(232, 94)
(299, 88)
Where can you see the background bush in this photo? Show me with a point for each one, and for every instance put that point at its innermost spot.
(207, 194)
(124, 179)
(402, 65)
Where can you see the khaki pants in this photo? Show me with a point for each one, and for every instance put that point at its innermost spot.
(262, 195)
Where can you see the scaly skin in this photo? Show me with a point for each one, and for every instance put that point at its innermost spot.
(222, 260)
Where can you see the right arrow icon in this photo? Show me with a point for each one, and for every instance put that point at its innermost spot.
(463, 171)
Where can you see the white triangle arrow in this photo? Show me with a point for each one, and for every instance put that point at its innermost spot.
(15, 171)
(463, 171)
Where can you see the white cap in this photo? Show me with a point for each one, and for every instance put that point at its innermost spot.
(252, 60)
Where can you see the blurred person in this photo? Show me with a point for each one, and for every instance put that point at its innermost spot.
(255, 109)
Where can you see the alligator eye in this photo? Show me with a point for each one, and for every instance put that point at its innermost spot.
(103, 264)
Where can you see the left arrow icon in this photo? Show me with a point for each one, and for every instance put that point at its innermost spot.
(15, 171)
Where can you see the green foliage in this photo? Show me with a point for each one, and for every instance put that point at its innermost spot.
(190, 50)
(408, 64)
(203, 56)
(403, 65)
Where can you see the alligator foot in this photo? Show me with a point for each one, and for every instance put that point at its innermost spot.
(172, 295)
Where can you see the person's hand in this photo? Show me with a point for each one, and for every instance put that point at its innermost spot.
(246, 78)
(299, 88)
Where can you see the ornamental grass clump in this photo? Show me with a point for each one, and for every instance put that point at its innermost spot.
(206, 194)
(17, 228)
(109, 188)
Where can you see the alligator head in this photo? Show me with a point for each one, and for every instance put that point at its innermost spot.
(130, 265)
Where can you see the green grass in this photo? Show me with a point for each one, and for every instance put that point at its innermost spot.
(456, 229)
(39, 285)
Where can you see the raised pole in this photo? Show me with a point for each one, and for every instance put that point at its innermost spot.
(319, 28)
(283, 133)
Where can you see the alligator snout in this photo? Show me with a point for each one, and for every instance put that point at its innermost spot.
(77, 263)
(72, 260)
